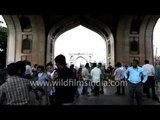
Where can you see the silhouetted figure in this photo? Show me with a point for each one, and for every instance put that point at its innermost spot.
(15, 90)
(64, 93)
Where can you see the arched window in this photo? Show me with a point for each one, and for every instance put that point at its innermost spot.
(134, 45)
(25, 23)
(136, 24)
(26, 44)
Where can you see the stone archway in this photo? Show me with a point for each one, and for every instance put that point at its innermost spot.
(86, 21)
(75, 56)
(82, 62)
(16, 35)
(144, 38)
(119, 44)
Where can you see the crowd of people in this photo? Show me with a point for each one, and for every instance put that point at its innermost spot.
(16, 79)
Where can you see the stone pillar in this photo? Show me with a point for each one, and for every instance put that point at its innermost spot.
(122, 40)
(149, 38)
(11, 41)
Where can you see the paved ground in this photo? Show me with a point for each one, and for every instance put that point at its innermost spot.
(109, 98)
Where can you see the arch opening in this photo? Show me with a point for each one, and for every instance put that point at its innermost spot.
(81, 41)
(3, 41)
(156, 42)
(87, 22)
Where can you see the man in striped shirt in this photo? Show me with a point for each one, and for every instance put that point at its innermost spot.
(15, 90)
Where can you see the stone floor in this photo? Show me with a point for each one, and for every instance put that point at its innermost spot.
(109, 98)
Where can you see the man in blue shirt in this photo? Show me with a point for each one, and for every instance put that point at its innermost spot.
(135, 76)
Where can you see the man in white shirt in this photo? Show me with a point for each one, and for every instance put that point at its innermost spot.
(28, 72)
(96, 77)
(118, 73)
(150, 81)
(123, 69)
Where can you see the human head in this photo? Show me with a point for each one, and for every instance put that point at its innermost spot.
(60, 61)
(27, 62)
(49, 67)
(118, 64)
(99, 64)
(94, 65)
(72, 66)
(12, 69)
(146, 61)
(35, 65)
(40, 69)
(21, 67)
(135, 63)
(87, 65)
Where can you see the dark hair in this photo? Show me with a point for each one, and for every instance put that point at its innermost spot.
(49, 64)
(12, 69)
(27, 62)
(100, 64)
(94, 65)
(137, 61)
(22, 66)
(72, 66)
(60, 59)
(35, 65)
(146, 61)
(41, 67)
(87, 65)
(118, 64)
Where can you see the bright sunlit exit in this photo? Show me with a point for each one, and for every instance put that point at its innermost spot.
(81, 40)
(2, 22)
(156, 38)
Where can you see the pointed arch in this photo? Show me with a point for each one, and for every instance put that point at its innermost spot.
(79, 58)
(73, 21)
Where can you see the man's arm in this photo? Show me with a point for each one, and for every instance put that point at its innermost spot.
(126, 74)
(115, 72)
(145, 76)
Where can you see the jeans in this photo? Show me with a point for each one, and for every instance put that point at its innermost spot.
(135, 90)
(85, 87)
